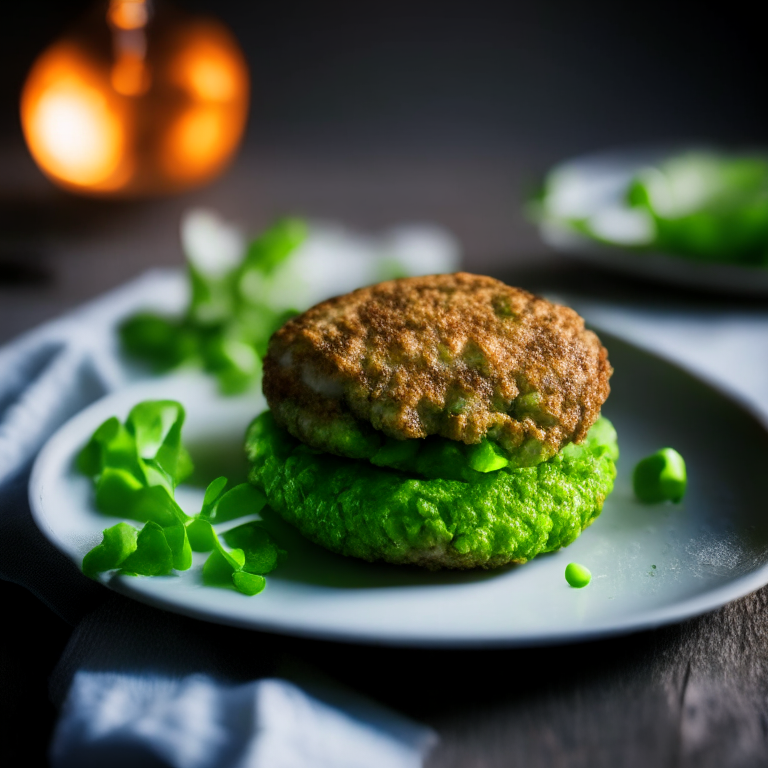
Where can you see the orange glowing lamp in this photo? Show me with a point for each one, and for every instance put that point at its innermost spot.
(134, 102)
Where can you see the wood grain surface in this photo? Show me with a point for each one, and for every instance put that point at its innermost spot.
(693, 695)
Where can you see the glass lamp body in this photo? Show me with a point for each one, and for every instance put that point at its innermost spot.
(106, 115)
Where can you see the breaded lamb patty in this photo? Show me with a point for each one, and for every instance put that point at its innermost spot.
(461, 356)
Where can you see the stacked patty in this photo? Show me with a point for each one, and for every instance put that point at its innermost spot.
(461, 356)
(432, 414)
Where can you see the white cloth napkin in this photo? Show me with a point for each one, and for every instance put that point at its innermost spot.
(125, 721)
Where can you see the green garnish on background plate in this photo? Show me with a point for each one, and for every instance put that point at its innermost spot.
(136, 467)
(702, 206)
(707, 207)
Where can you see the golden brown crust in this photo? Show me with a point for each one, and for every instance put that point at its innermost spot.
(462, 356)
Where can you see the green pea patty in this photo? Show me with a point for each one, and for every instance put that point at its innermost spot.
(356, 508)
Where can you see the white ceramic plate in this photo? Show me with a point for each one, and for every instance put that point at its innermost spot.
(651, 565)
(595, 183)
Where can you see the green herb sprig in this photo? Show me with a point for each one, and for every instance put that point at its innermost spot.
(136, 467)
(228, 322)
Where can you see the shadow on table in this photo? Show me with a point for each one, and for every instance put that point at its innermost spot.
(594, 283)
(310, 564)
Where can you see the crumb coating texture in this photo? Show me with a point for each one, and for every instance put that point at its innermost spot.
(460, 356)
(357, 509)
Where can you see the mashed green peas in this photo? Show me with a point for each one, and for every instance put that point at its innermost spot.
(355, 508)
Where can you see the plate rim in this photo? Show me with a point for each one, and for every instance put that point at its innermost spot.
(687, 608)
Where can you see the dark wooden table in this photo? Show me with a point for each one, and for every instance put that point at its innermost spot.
(693, 694)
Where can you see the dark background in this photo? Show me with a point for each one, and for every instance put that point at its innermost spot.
(374, 114)
(381, 113)
(543, 77)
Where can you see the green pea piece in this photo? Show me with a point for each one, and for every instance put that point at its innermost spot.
(660, 477)
(483, 458)
(577, 575)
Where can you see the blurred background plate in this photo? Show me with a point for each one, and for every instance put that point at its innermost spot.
(651, 565)
(596, 182)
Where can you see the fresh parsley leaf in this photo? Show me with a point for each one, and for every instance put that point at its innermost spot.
(178, 541)
(202, 537)
(224, 328)
(212, 493)
(163, 342)
(238, 566)
(248, 583)
(153, 555)
(262, 554)
(115, 491)
(156, 427)
(274, 245)
(118, 543)
(243, 499)
(136, 467)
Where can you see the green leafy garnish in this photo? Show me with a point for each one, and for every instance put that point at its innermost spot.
(115, 490)
(201, 535)
(145, 451)
(153, 555)
(699, 205)
(156, 504)
(253, 554)
(156, 427)
(136, 467)
(221, 566)
(262, 555)
(178, 541)
(212, 493)
(230, 316)
(248, 583)
(111, 445)
(706, 206)
(162, 342)
(231, 504)
(119, 542)
(275, 245)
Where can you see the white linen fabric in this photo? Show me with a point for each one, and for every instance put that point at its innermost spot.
(125, 721)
